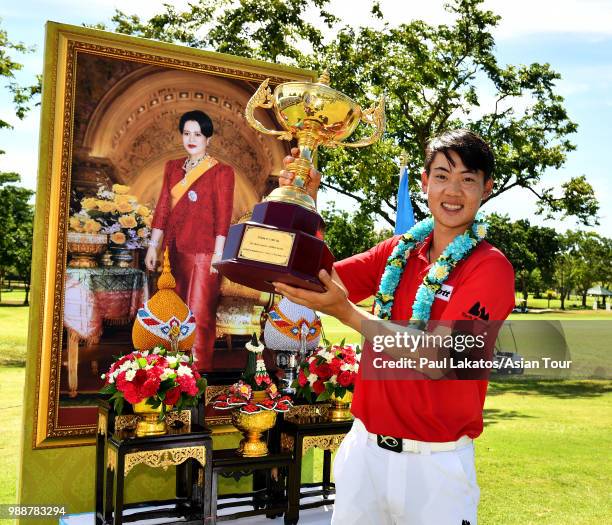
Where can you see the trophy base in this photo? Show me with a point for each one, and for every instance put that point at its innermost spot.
(257, 254)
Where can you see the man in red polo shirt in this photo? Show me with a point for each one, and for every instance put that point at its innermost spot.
(427, 476)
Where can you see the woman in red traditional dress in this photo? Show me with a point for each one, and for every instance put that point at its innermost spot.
(191, 218)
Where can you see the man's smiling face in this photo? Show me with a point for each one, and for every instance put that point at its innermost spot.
(454, 192)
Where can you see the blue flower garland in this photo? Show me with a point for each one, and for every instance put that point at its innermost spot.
(458, 249)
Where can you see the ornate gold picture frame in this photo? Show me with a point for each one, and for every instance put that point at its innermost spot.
(109, 111)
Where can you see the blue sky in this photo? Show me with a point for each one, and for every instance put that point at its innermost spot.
(574, 36)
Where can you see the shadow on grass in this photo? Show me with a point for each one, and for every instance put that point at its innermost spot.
(559, 389)
(490, 416)
(8, 362)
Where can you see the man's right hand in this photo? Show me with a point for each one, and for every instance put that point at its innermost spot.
(285, 177)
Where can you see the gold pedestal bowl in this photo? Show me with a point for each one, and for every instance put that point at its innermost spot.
(149, 424)
(252, 427)
(84, 248)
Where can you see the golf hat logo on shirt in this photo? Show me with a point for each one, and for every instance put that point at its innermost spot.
(444, 293)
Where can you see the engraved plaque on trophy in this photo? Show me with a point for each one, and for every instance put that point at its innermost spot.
(282, 239)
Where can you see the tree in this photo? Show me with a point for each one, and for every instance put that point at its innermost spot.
(347, 234)
(16, 215)
(591, 259)
(430, 75)
(565, 271)
(22, 95)
(512, 238)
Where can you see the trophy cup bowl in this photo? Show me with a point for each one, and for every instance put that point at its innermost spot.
(282, 241)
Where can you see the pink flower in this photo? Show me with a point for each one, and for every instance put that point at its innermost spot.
(188, 385)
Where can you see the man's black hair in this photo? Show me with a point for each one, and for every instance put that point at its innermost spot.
(473, 151)
(206, 125)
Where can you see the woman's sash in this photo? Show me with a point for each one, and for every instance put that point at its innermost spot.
(182, 186)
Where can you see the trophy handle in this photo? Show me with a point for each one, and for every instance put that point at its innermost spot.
(262, 98)
(375, 117)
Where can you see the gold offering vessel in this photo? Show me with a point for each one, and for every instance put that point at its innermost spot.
(148, 423)
(84, 248)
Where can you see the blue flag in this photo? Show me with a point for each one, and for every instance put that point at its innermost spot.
(405, 214)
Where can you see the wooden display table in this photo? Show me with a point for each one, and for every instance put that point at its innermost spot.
(267, 498)
(299, 433)
(118, 451)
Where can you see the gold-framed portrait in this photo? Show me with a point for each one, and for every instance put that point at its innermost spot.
(110, 126)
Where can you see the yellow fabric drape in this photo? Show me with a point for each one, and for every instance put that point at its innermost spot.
(179, 189)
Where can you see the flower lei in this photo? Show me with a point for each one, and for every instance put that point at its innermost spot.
(458, 249)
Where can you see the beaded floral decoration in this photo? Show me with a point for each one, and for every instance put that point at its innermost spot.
(458, 249)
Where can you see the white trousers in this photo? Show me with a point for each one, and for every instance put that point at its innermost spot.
(375, 486)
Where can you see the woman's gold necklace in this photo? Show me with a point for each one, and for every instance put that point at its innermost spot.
(190, 164)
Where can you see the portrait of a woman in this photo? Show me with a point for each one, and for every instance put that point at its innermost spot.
(192, 217)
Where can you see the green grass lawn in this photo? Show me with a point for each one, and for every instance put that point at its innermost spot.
(11, 408)
(13, 329)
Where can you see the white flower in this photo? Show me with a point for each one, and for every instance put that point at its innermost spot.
(172, 359)
(184, 371)
(312, 378)
(332, 379)
(130, 374)
(166, 374)
(103, 376)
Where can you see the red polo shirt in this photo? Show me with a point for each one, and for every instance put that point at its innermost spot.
(428, 410)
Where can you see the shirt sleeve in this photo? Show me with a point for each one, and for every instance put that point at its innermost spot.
(164, 203)
(223, 200)
(486, 293)
(361, 273)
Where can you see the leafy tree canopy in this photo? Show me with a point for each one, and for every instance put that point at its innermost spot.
(434, 77)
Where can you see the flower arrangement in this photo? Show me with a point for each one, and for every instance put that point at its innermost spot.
(329, 371)
(166, 379)
(242, 396)
(116, 213)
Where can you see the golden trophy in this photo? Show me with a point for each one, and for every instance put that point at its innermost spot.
(282, 241)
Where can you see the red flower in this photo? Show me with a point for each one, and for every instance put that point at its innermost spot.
(346, 378)
(349, 359)
(335, 365)
(172, 396)
(312, 366)
(318, 387)
(268, 403)
(150, 387)
(188, 385)
(324, 372)
(282, 407)
(302, 379)
(250, 408)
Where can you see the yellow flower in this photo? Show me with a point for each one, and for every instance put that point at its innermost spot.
(120, 189)
(89, 203)
(481, 231)
(75, 224)
(128, 221)
(148, 221)
(121, 198)
(92, 226)
(142, 232)
(143, 211)
(118, 237)
(106, 206)
(124, 207)
(441, 271)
